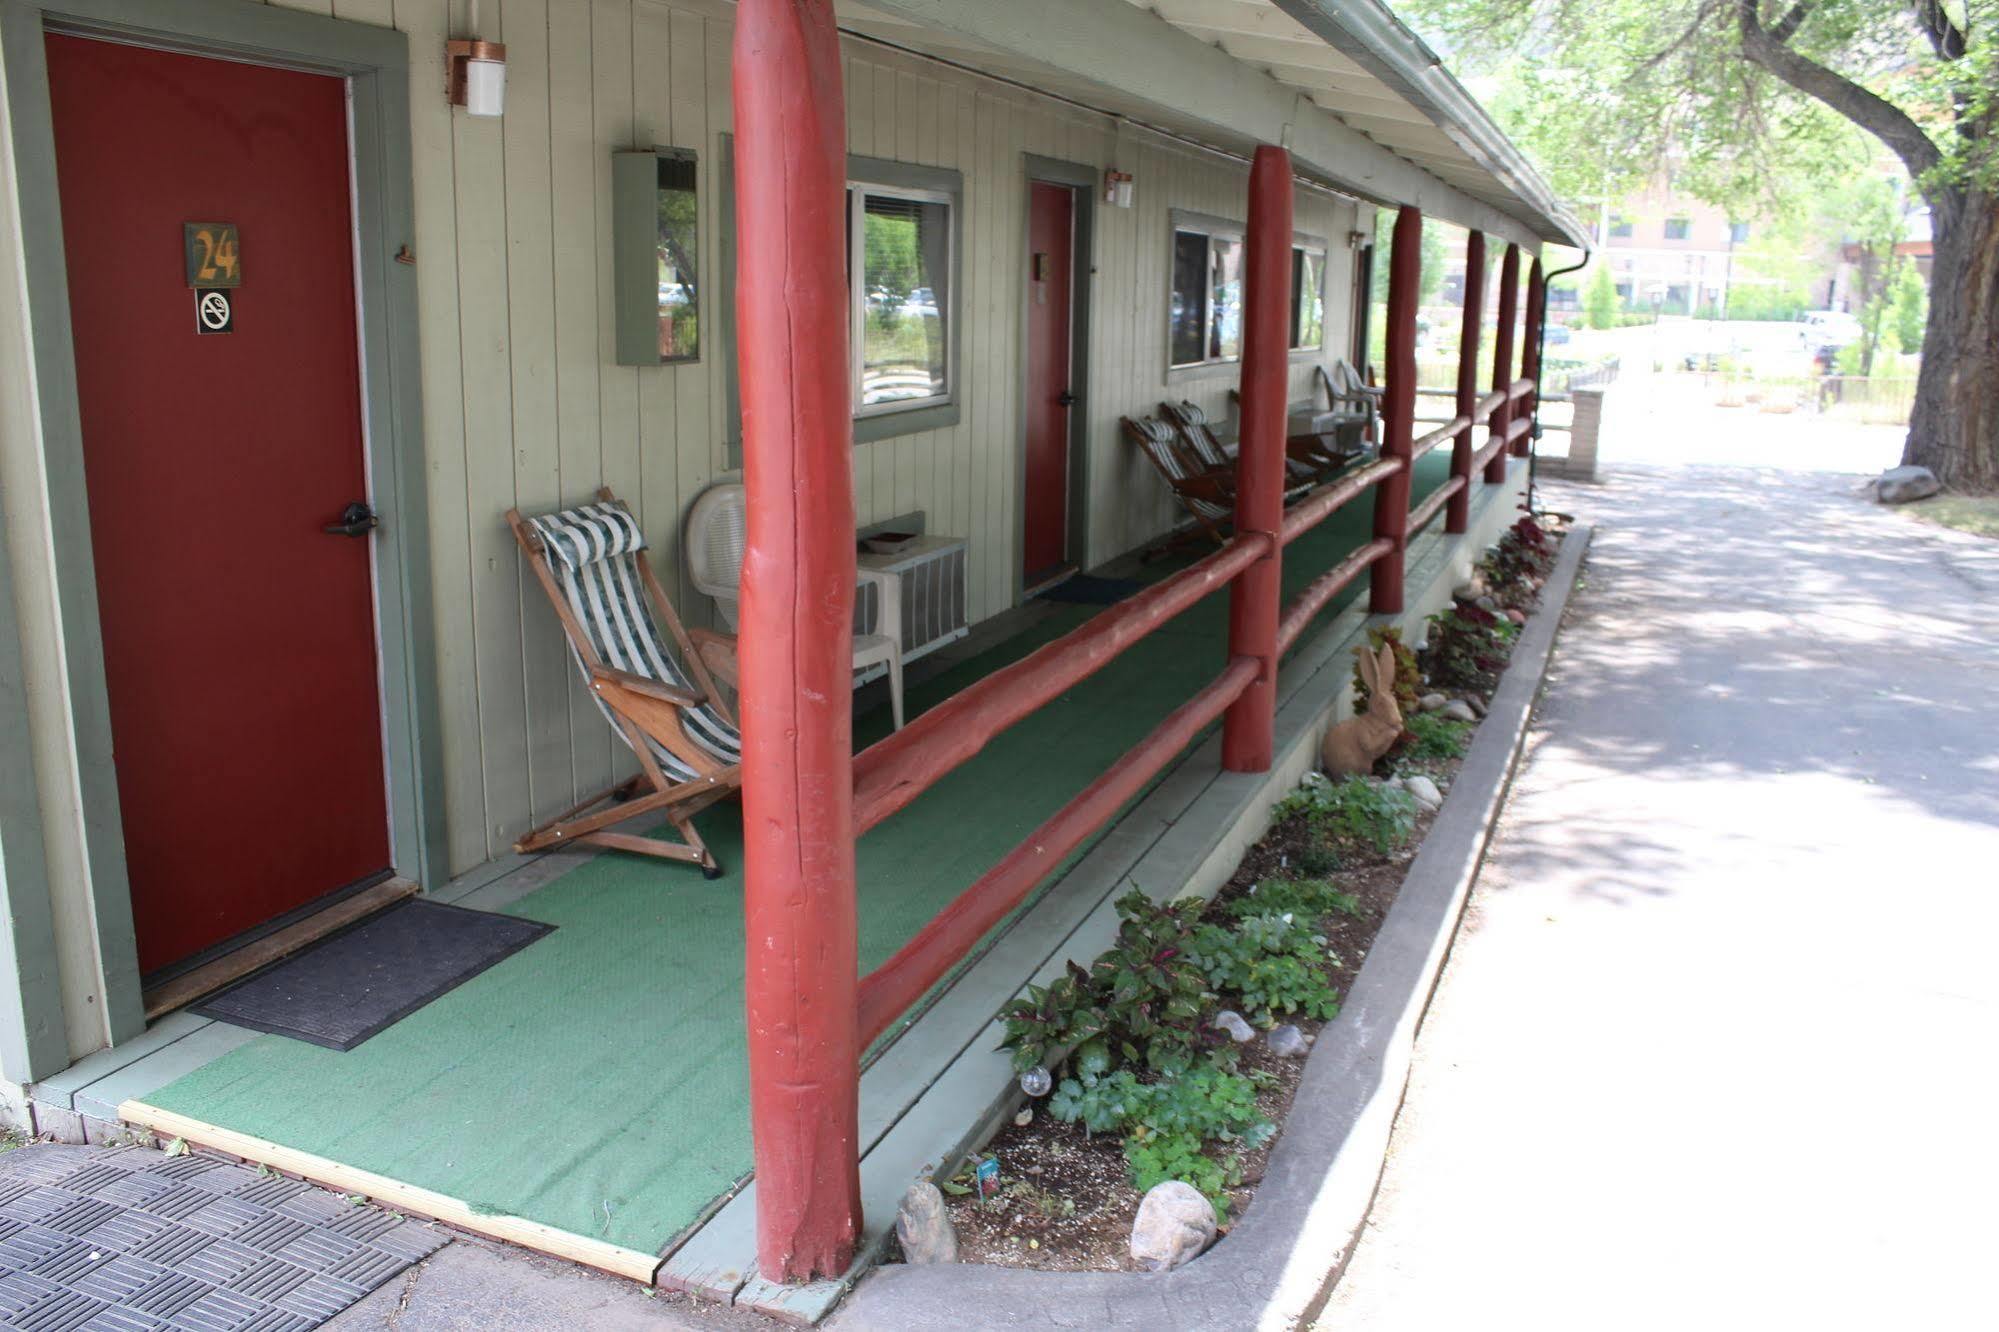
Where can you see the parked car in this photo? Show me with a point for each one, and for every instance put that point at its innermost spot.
(1827, 328)
(1558, 335)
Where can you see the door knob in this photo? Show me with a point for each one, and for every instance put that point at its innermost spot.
(1065, 398)
(357, 519)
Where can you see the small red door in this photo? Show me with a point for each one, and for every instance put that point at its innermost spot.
(239, 636)
(1051, 229)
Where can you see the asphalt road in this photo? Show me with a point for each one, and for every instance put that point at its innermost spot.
(1715, 1046)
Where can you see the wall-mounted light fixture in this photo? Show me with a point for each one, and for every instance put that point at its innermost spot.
(475, 76)
(1118, 188)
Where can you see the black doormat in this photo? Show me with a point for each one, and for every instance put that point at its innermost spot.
(1091, 590)
(347, 987)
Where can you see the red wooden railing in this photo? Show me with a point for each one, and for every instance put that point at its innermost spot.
(806, 797)
(896, 770)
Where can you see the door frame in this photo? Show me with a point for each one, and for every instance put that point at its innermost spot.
(1082, 180)
(374, 61)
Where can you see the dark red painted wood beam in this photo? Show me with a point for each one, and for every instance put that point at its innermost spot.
(1308, 603)
(1322, 504)
(895, 770)
(1502, 356)
(1398, 411)
(797, 637)
(1457, 517)
(1530, 352)
(891, 988)
(1420, 516)
(1248, 731)
(1443, 434)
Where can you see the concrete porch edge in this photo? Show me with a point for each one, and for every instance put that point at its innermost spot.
(1274, 1269)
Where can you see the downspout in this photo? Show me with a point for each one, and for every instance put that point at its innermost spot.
(1541, 367)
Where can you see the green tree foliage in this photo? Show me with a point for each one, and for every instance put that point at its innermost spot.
(1600, 301)
(1756, 105)
(1911, 306)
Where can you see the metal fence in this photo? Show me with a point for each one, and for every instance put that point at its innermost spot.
(1857, 399)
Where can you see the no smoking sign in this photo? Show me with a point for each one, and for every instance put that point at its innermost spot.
(213, 311)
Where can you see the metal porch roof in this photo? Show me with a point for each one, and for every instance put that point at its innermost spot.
(1350, 59)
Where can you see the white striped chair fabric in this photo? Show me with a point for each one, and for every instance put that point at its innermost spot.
(1160, 443)
(595, 550)
(1200, 436)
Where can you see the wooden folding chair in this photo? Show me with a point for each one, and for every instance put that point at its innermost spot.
(1192, 423)
(1209, 495)
(655, 689)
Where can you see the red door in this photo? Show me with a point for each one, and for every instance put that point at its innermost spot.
(239, 637)
(1051, 229)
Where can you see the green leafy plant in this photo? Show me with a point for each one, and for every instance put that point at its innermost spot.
(1353, 811)
(1316, 859)
(1431, 735)
(1467, 649)
(1154, 990)
(1140, 1001)
(1169, 1123)
(1309, 899)
(1525, 550)
(1271, 962)
(1408, 678)
(1154, 1158)
(1065, 1013)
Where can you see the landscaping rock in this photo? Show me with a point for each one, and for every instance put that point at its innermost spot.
(1174, 1224)
(924, 1227)
(1517, 616)
(1469, 591)
(1459, 710)
(1025, 1117)
(1230, 1021)
(1476, 702)
(1431, 702)
(1488, 605)
(1426, 792)
(1899, 485)
(1287, 1042)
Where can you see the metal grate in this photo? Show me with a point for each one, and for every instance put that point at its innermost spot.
(131, 1239)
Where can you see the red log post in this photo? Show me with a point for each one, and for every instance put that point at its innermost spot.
(1248, 728)
(1457, 509)
(1530, 355)
(797, 629)
(1398, 411)
(1502, 356)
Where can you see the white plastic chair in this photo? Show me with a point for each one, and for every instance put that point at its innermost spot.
(718, 530)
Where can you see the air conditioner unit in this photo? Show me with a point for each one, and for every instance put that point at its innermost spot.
(931, 570)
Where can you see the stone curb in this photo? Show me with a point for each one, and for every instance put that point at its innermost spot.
(1274, 1269)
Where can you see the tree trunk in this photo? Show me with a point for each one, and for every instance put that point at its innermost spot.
(1954, 429)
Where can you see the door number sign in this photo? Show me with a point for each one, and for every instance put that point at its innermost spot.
(212, 257)
(214, 267)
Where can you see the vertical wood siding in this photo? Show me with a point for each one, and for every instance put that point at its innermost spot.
(525, 405)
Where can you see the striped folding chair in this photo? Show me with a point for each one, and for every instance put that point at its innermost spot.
(654, 688)
(1206, 494)
(1302, 469)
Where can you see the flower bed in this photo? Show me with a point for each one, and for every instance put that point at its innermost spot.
(1175, 1055)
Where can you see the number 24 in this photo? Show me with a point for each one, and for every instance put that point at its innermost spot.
(218, 259)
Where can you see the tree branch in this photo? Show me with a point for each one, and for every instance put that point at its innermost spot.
(1945, 36)
(1879, 117)
(1786, 27)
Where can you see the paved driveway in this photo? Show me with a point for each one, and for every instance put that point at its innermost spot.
(1716, 1047)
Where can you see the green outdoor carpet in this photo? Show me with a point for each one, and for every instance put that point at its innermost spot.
(596, 1081)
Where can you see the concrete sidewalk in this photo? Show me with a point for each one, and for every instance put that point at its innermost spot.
(1715, 1047)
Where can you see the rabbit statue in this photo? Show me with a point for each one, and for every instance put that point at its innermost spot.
(1351, 747)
